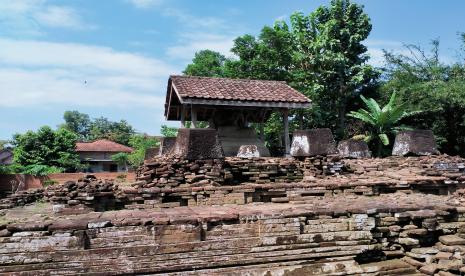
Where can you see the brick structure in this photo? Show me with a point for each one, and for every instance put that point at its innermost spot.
(256, 216)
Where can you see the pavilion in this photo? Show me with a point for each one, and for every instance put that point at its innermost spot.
(230, 105)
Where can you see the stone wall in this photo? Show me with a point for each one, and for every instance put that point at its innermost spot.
(345, 235)
(63, 177)
(263, 216)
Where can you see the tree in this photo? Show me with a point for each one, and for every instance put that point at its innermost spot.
(121, 158)
(426, 83)
(78, 123)
(167, 131)
(46, 147)
(120, 132)
(140, 144)
(381, 122)
(330, 59)
(3, 144)
(206, 63)
(99, 128)
(267, 57)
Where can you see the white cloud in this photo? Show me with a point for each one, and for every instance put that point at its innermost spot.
(191, 43)
(35, 73)
(59, 17)
(30, 16)
(145, 4)
(376, 47)
(195, 22)
(216, 35)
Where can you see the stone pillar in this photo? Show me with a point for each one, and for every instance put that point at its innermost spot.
(286, 131)
(262, 131)
(193, 117)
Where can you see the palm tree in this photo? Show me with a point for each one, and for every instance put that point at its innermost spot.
(381, 121)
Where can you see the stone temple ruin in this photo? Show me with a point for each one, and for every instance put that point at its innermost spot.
(327, 210)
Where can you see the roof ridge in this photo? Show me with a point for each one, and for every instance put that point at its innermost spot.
(224, 78)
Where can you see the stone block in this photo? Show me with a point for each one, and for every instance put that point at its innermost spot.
(166, 145)
(198, 144)
(452, 240)
(415, 142)
(319, 141)
(353, 149)
(429, 269)
(248, 151)
(151, 153)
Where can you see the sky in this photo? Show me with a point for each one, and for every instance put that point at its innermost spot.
(112, 58)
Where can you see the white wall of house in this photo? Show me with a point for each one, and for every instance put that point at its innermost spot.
(100, 162)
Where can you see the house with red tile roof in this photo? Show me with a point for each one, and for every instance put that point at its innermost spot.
(231, 105)
(97, 155)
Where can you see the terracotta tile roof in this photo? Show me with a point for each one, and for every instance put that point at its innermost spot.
(236, 89)
(102, 145)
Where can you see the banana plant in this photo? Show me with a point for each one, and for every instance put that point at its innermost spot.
(381, 121)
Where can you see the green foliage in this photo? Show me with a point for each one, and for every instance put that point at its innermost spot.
(78, 123)
(121, 158)
(320, 54)
(49, 182)
(99, 128)
(6, 169)
(121, 177)
(167, 131)
(267, 57)
(140, 144)
(3, 144)
(330, 58)
(426, 83)
(381, 122)
(102, 128)
(206, 63)
(46, 150)
(38, 170)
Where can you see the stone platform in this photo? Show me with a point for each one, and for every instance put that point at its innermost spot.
(259, 216)
(395, 234)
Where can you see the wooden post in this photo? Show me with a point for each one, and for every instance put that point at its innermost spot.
(193, 117)
(286, 131)
(301, 120)
(183, 117)
(262, 131)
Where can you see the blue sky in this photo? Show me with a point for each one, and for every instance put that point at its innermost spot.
(112, 58)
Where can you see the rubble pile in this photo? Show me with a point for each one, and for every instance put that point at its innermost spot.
(171, 171)
(21, 198)
(87, 194)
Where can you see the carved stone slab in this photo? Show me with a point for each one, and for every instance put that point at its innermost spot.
(353, 149)
(319, 141)
(248, 151)
(415, 142)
